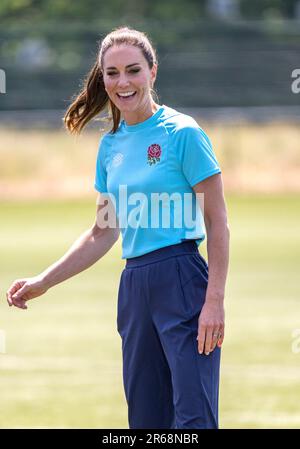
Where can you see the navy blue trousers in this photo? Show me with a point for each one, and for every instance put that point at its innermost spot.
(167, 383)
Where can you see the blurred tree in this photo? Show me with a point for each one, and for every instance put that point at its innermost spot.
(118, 9)
(257, 9)
(93, 9)
(47, 47)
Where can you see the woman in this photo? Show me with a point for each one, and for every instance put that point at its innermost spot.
(170, 313)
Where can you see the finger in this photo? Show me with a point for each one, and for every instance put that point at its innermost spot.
(201, 339)
(20, 303)
(15, 287)
(20, 292)
(215, 337)
(16, 302)
(8, 298)
(208, 339)
(221, 339)
(10, 292)
(23, 304)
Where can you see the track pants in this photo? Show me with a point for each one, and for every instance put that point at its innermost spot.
(167, 383)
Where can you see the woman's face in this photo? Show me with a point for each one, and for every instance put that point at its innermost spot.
(125, 70)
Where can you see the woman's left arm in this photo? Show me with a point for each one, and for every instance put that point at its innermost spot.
(212, 317)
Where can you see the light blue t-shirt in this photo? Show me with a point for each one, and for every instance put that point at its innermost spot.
(148, 170)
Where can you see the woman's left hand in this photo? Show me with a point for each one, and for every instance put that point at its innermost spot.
(211, 326)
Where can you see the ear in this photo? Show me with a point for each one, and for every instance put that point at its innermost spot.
(153, 73)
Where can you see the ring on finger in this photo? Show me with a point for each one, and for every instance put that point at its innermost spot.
(217, 335)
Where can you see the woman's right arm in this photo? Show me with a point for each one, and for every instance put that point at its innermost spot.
(85, 251)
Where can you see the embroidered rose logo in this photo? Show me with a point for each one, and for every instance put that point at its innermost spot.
(154, 153)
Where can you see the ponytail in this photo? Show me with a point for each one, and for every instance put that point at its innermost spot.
(90, 101)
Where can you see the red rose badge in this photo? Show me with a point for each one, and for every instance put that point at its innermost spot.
(154, 153)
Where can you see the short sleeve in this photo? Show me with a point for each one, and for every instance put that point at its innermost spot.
(195, 153)
(100, 183)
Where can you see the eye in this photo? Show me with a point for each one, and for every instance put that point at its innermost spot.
(131, 71)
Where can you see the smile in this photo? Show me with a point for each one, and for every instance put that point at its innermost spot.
(126, 95)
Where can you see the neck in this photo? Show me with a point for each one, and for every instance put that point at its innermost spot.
(135, 117)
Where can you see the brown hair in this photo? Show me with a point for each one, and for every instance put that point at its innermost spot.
(93, 98)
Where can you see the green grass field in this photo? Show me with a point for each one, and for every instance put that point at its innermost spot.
(62, 366)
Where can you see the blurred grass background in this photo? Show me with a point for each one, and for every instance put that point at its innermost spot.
(62, 366)
(254, 157)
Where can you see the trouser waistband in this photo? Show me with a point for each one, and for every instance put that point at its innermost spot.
(185, 247)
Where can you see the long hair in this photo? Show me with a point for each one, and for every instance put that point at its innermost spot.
(93, 97)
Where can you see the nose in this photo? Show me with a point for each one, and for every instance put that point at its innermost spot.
(123, 81)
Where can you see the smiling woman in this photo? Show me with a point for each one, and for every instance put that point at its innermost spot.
(128, 85)
(121, 79)
(170, 305)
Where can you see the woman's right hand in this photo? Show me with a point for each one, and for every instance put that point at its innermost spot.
(22, 290)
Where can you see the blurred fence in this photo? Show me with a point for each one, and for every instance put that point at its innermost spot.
(201, 64)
